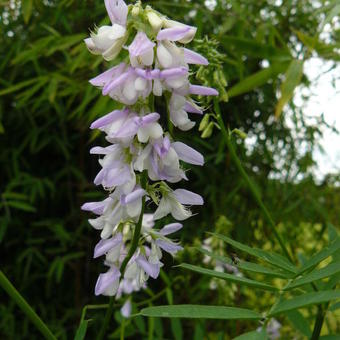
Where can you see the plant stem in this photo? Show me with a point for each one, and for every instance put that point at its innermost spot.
(318, 324)
(133, 247)
(25, 307)
(249, 182)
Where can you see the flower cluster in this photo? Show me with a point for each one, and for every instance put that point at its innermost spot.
(141, 156)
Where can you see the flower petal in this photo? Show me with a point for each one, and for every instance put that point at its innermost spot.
(170, 228)
(151, 269)
(126, 309)
(141, 45)
(97, 207)
(108, 282)
(168, 246)
(174, 33)
(117, 11)
(187, 197)
(192, 57)
(104, 246)
(203, 90)
(188, 154)
(109, 118)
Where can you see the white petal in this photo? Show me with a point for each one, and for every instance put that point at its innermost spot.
(147, 58)
(164, 56)
(163, 209)
(140, 84)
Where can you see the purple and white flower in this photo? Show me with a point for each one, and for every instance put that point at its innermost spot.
(139, 147)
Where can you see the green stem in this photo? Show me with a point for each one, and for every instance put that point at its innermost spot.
(133, 247)
(25, 307)
(249, 182)
(318, 324)
(107, 319)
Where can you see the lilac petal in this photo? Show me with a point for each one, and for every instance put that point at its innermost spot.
(106, 280)
(173, 72)
(117, 11)
(107, 76)
(127, 307)
(104, 246)
(203, 90)
(187, 197)
(169, 247)
(170, 228)
(162, 147)
(150, 118)
(132, 197)
(98, 150)
(149, 268)
(109, 118)
(117, 82)
(192, 57)
(128, 129)
(188, 154)
(140, 45)
(189, 107)
(173, 34)
(148, 74)
(96, 207)
(116, 177)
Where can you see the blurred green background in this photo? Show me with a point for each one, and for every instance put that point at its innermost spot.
(46, 173)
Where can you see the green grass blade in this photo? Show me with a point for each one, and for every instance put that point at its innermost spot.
(200, 312)
(270, 257)
(305, 300)
(320, 256)
(229, 277)
(254, 335)
(315, 275)
(248, 266)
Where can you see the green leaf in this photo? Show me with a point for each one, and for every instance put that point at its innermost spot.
(320, 256)
(315, 275)
(257, 79)
(334, 307)
(255, 49)
(293, 78)
(21, 206)
(305, 300)
(330, 337)
(228, 277)
(248, 266)
(18, 86)
(299, 322)
(81, 331)
(27, 6)
(176, 328)
(270, 257)
(200, 312)
(254, 335)
(335, 11)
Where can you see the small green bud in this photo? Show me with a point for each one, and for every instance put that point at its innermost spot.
(208, 131)
(204, 123)
(240, 133)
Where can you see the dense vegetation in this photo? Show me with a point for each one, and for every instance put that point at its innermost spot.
(257, 51)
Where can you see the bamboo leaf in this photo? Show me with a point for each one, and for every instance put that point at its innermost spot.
(305, 300)
(315, 275)
(27, 6)
(335, 11)
(200, 312)
(292, 80)
(228, 277)
(81, 331)
(21, 206)
(248, 266)
(320, 256)
(255, 49)
(299, 322)
(270, 257)
(257, 79)
(254, 335)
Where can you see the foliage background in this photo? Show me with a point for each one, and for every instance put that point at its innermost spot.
(46, 106)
